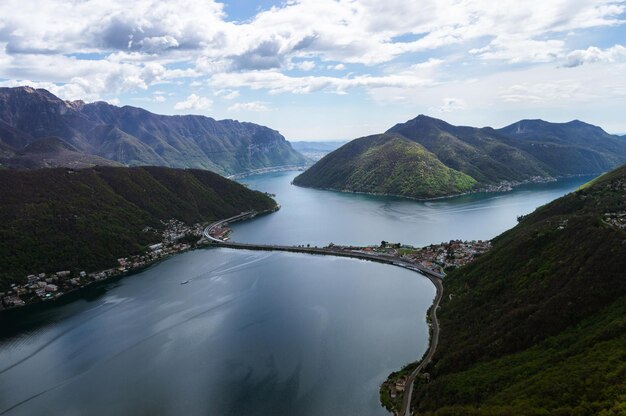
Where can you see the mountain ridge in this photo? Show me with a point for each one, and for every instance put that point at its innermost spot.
(380, 164)
(134, 136)
(496, 159)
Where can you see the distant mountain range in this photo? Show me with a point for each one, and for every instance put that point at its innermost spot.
(528, 150)
(537, 326)
(317, 150)
(79, 134)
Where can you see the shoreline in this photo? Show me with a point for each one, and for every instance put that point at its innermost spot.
(92, 284)
(337, 251)
(113, 276)
(511, 187)
(272, 169)
(435, 278)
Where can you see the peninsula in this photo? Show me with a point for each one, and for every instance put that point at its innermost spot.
(427, 158)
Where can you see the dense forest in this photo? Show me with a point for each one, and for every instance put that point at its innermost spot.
(386, 164)
(426, 157)
(538, 325)
(57, 219)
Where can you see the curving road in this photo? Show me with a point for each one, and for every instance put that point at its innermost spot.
(434, 277)
(434, 341)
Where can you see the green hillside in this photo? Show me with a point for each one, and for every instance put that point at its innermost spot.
(57, 219)
(538, 325)
(526, 151)
(571, 148)
(385, 164)
(480, 153)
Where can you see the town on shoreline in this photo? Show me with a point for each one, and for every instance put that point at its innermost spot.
(178, 237)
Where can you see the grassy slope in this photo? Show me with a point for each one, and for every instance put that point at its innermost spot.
(539, 324)
(52, 220)
(386, 164)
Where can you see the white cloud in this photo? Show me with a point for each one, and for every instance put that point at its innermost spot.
(227, 94)
(516, 49)
(541, 91)
(338, 67)
(141, 25)
(277, 82)
(251, 106)
(159, 98)
(305, 65)
(529, 89)
(594, 54)
(194, 102)
(86, 78)
(91, 49)
(449, 105)
(346, 31)
(431, 63)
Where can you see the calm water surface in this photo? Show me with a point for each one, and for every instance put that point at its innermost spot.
(252, 333)
(309, 216)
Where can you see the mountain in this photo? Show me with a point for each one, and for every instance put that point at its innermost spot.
(385, 164)
(478, 152)
(133, 136)
(568, 148)
(58, 219)
(530, 150)
(538, 324)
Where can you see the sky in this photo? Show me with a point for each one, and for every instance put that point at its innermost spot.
(327, 69)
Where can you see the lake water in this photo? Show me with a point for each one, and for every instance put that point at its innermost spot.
(309, 216)
(252, 333)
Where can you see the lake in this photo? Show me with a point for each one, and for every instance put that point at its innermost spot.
(251, 333)
(316, 217)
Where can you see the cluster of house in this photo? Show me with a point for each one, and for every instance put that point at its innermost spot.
(436, 257)
(40, 286)
(398, 387)
(44, 286)
(221, 231)
(176, 230)
(506, 186)
(170, 243)
(616, 219)
(455, 253)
